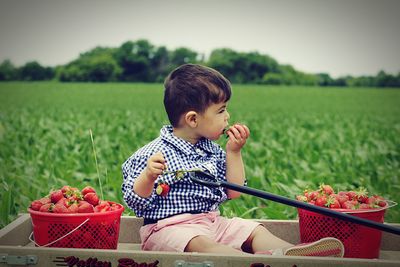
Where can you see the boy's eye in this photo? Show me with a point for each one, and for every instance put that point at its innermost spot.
(222, 111)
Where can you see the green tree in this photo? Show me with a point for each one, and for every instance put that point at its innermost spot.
(134, 59)
(33, 71)
(7, 71)
(324, 79)
(223, 60)
(242, 67)
(96, 65)
(387, 80)
(183, 55)
(160, 65)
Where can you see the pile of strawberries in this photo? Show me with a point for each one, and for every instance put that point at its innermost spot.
(325, 196)
(72, 200)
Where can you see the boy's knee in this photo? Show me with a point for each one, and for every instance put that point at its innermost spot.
(259, 230)
(200, 243)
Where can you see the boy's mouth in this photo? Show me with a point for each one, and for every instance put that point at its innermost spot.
(224, 131)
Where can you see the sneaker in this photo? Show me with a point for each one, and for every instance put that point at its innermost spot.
(325, 247)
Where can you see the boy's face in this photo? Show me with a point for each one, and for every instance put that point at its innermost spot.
(213, 121)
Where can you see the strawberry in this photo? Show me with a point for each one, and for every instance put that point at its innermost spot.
(88, 189)
(74, 195)
(55, 196)
(162, 189)
(65, 189)
(312, 196)
(92, 198)
(365, 206)
(114, 207)
(73, 208)
(342, 198)
(45, 200)
(350, 204)
(326, 189)
(59, 207)
(46, 207)
(64, 201)
(85, 207)
(332, 203)
(301, 198)
(103, 206)
(321, 201)
(362, 195)
(380, 201)
(36, 204)
(352, 195)
(372, 201)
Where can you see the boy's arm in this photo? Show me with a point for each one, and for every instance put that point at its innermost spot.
(235, 173)
(144, 183)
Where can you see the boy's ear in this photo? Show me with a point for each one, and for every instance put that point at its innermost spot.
(191, 118)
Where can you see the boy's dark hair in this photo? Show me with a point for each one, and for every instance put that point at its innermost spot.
(193, 87)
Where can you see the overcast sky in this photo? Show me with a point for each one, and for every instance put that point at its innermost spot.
(339, 37)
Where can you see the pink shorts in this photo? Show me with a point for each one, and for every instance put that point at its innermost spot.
(174, 233)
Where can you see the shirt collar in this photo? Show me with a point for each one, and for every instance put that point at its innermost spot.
(167, 134)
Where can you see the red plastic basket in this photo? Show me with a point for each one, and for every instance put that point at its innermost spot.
(359, 241)
(99, 230)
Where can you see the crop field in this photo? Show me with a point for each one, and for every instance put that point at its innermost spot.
(300, 137)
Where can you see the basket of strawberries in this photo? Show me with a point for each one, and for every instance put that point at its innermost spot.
(359, 241)
(73, 218)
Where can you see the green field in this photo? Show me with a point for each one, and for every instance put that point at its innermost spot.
(299, 137)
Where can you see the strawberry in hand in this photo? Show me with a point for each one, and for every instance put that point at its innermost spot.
(238, 134)
(162, 189)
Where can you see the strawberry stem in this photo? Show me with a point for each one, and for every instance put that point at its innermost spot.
(177, 172)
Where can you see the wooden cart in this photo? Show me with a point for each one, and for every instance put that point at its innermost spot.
(17, 250)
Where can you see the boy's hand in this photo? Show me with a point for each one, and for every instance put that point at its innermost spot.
(155, 165)
(238, 134)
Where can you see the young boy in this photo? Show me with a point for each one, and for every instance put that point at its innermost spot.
(186, 218)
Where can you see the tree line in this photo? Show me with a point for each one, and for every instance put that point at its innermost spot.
(141, 61)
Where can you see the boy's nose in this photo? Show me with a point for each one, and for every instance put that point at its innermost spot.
(227, 115)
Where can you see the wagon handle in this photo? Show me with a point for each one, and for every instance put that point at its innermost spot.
(293, 203)
(58, 239)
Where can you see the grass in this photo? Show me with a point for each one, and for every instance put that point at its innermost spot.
(299, 137)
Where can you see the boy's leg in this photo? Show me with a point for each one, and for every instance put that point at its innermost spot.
(262, 240)
(206, 245)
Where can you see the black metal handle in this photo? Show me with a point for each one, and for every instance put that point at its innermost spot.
(297, 204)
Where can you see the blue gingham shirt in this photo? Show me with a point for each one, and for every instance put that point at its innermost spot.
(184, 195)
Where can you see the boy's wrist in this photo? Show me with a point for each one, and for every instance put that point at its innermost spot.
(150, 177)
(234, 152)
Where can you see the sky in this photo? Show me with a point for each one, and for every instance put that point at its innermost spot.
(338, 37)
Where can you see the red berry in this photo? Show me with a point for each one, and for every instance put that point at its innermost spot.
(162, 189)
(46, 207)
(55, 196)
(326, 189)
(60, 208)
(65, 188)
(102, 207)
(88, 189)
(85, 207)
(321, 201)
(36, 204)
(92, 198)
